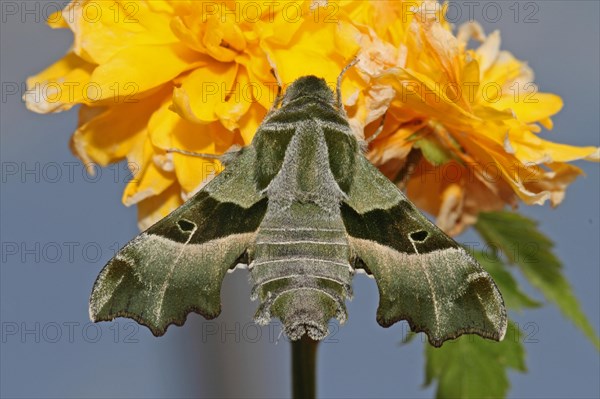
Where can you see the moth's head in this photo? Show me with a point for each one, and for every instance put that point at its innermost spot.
(308, 86)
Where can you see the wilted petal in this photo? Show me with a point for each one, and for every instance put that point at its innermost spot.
(555, 181)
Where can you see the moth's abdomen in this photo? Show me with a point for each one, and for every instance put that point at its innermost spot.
(301, 273)
(300, 261)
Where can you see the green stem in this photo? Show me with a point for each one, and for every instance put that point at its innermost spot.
(304, 367)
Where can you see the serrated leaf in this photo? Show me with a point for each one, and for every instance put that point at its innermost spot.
(523, 245)
(513, 296)
(473, 367)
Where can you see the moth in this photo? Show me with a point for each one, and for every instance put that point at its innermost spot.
(304, 209)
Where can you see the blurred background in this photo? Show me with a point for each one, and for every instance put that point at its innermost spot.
(60, 225)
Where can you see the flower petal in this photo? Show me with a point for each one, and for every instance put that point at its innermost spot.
(530, 107)
(96, 24)
(152, 209)
(314, 51)
(60, 86)
(556, 181)
(148, 179)
(236, 102)
(530, 148)
(107, 135)
(203, 90)
(138, 69)
(168, 130)
(250, 122)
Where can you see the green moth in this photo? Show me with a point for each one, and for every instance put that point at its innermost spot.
(305, 210)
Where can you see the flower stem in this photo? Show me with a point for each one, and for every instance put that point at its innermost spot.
(304, 367)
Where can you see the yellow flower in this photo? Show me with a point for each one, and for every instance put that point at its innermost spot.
(189, 74)
(196, 75)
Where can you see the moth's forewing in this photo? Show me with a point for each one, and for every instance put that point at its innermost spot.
(177, 265)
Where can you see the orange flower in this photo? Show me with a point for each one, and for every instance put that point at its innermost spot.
(470, 119)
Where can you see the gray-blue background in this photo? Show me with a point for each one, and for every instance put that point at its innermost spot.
(201, 359)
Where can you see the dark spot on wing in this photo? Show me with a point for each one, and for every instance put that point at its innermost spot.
(186, 225)
(419, 236)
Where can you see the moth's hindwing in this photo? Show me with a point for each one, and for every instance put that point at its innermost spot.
(177, 265)
(423, 276)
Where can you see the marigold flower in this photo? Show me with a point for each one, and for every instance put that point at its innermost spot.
(196, 75)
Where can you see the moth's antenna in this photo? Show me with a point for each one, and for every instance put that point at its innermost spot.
(338, 89)
(194, 154)
(279, 96)
(412, 159)
(278, 80)
(379, 129)
(224, 158)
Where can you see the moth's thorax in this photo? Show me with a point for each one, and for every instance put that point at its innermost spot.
(308, 87)
(312, 136)
(305, 174)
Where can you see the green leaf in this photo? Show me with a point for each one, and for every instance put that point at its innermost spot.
(433, 151)
(473, 367)
(511, 292)
(523, 245)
